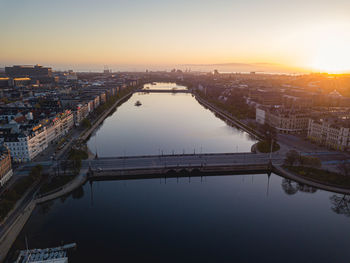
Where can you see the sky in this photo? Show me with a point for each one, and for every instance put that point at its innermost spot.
(311, 35)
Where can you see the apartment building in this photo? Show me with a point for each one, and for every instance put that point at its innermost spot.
(59, 125)
(331, 132)
(80, 113)
(26, 141)
(284, 120)
(25, 144)
(265, 97)
(5, 165)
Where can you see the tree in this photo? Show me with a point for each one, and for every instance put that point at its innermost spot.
(64, 166)
(291, 157)
(78, 193)
(36, 171)
(310, 161)
(306, 189)
(341, 204)
(86, 123)
(289, 187)
(269, 133)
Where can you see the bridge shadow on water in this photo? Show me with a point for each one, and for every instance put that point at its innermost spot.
(172, 173)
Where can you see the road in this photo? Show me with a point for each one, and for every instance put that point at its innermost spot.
(18, 210)
(193, 160)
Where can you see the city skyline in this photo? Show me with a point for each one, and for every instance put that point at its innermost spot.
(174, 131)
(283, 36)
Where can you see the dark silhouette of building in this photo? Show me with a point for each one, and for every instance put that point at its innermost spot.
(36, 71)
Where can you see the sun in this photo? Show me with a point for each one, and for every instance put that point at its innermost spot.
(332, 53)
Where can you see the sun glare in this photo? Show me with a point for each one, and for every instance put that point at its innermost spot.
(332, 54)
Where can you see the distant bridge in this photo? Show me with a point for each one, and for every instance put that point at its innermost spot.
(178, 165)
(164, 90)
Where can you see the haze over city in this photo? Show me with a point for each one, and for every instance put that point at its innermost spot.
(269, 36)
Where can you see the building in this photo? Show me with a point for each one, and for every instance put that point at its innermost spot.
(331, 132)
(284, 120)
(28, 71)
(290, 101)
(59, 125)
(46, 255)
(5, 165)
(4, 82)
(80, 113)
(25, 144)
(26, 141)
(37, 74)
(260, 116)
(265, 97)
(20, 82)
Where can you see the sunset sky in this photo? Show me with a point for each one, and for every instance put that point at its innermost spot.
(312, 35)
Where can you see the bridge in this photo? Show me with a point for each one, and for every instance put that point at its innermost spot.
(164, 90)
(178, 165)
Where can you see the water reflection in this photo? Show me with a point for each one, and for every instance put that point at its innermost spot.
(45, 207)
(163, 86)
(166, 123)
(291, 188)
(78, 193)
(341, 204)
(231, 216)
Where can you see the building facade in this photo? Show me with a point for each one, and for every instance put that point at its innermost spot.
(330, 133)
(5, 165)
(284, 121)
(28, 71)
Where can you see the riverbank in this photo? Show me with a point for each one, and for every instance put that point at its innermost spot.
(78, 181)
(16, 226)
(85, 134)
(228, 117)
(278, 169)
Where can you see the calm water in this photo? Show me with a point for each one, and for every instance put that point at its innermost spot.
(238, 218)
(166, 122)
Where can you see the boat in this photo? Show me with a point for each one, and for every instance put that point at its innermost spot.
(138, 103)
(49, 255)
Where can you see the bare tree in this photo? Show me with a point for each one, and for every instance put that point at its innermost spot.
(64, 166)
(341, 204)
(306, 189)
(290, 187)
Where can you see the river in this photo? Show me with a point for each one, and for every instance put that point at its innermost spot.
(238, 218)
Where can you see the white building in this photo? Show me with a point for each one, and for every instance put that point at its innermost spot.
(284, 121)
(26, 145)
(25, 142)
(260, 116)
(332, 133)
